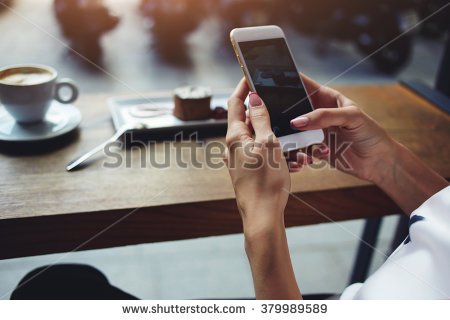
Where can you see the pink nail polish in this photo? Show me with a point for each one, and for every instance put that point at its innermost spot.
(254, 100)
(299, 122)
(324, 149)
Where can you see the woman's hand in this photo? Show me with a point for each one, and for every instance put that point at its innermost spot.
(257, 167)
(261, 181)
(366, 150)
(355, 143)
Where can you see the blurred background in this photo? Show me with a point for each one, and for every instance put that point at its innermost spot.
(144, 45)
(130, 46)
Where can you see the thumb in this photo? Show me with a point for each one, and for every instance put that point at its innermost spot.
(259, 116)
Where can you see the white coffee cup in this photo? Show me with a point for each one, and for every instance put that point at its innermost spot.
(27, 91)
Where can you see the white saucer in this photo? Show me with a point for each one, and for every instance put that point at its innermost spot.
(60, 119)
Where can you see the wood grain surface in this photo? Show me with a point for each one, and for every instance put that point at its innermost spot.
(45, 209)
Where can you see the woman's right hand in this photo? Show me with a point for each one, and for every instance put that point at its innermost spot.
(355, 143)
(359, 146)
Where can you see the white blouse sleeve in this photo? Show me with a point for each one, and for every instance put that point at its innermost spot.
(420, 267)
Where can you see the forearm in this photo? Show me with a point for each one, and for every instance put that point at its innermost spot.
(407, 180)
(268, 254)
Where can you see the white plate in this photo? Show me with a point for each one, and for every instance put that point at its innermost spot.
(60, 119)
(157, 114)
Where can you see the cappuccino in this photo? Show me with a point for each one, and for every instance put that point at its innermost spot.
(25, 76)
(27, 91)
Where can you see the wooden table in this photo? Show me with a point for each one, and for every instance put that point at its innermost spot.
(44, 209)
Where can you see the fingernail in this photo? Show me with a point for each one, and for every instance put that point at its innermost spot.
(254, 100)
(294, 165)
(299, 122)
(324, 149)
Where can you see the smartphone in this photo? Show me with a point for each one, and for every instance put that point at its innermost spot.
(270, 70)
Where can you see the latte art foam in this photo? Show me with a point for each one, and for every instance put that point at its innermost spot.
(26, 78)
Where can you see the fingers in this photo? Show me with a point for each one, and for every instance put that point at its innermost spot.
(247, 120)
(298, 159)
(343, 101)
(312, 89)
(259, 117)
(294, 166)
(237, 129)
(307, 156)
(310, 84)
(301, 160)
(348, 117)
(321, 96)
(236, 108)
(321, 152)
(242, 90)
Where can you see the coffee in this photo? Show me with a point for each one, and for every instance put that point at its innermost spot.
(28, 91)
(25, 76)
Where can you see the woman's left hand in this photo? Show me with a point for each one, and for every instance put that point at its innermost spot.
(257, 166)
(261, 181)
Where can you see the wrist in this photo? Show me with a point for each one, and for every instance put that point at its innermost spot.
(384, 169)
(262, 237)
(268, 253)
(260, 220)
(260, 224)
(406, 179)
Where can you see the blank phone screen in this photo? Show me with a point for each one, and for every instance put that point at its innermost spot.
(276, 81)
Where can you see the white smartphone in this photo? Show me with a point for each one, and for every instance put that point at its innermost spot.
(270, 70)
